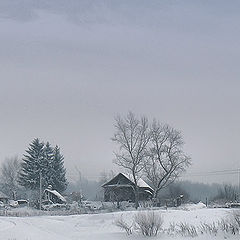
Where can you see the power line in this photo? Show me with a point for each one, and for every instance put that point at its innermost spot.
(213, 173)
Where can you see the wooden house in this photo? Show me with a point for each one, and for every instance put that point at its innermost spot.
(121, 188)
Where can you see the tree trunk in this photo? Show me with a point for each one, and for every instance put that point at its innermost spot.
(155, 193)
(136, 192)
(155, 198)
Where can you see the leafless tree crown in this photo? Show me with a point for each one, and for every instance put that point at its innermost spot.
(166, 159)
(132, 136)
(155, 150)
(9, 176)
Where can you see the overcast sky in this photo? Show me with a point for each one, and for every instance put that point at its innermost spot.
(69, 66)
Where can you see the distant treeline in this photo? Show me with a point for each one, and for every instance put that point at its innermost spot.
(194, 192)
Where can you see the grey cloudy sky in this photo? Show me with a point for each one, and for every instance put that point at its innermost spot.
(68, 67)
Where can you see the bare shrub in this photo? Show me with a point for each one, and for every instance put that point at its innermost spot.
(187, 230)
(171, 230)
(226, 193)
(149, 222)
(124, 225)
(231, 225)
(209, 228)
(224, 225)
(236, 217)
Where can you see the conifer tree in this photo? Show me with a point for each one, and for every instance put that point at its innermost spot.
(49, 161)
(33, 162)
(59, 181)
(47, 173)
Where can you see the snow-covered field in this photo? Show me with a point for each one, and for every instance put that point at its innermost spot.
(101, 226)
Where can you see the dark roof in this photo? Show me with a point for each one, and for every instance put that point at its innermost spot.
(141, 183)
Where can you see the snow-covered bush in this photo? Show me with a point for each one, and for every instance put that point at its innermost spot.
(21, 212)
(124, 225)
(55, 206)
(148, 222)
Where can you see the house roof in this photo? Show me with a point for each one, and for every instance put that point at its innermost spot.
(140, 181)
(56, 193)
(2, 195)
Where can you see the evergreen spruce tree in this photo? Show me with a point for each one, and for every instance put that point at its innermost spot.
(47, 173)
(49, 161)
(59, 181)
(33, 162)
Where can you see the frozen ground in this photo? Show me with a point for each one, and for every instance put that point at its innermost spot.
(100, 226)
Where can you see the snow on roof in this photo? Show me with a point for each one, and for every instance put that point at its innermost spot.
(57, 194)
(148, 191)
(140, 181)
(2, 195)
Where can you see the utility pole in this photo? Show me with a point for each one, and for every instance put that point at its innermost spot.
(40, 190)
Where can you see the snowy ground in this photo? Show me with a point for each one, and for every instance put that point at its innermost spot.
(100, 226)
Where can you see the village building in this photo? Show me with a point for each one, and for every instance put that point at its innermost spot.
(53, 196)
(121, 188)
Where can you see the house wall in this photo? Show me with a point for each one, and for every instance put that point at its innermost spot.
(113, 191)
(115, 194)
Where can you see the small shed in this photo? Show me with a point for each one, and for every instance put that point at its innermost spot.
(53, 196)
(4, 198)
(121, 188)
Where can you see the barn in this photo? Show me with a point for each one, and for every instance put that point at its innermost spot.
(121, 188)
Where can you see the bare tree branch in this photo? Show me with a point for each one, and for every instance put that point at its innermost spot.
(9, 176)
(166, 159)
(132, 136)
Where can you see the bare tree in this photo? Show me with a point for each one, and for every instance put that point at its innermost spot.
(132, 136)
(9, 176)
(227, 193)
(166, 159)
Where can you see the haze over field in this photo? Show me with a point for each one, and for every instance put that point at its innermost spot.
(68, 67)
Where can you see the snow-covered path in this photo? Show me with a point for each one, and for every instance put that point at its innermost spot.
(95, 226)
